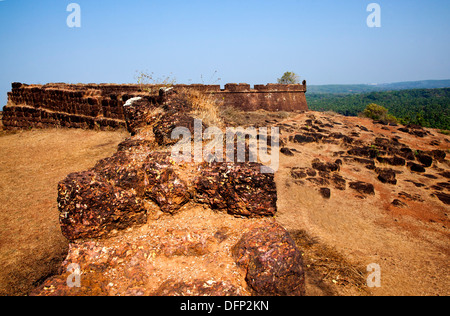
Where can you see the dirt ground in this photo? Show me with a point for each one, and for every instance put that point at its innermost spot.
(31, 165)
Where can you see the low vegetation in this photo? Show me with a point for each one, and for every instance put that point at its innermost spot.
(326, 268)
(378, 113)
(204, 108)
(289, 78)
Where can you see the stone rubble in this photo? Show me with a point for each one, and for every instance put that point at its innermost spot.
(122, 215)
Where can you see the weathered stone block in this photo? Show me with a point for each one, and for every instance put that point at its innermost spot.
(363, 187)
(272, 261)
(165, 187)
(238, 188)
(90, 207)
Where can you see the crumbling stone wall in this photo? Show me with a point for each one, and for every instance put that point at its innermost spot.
(100, 106)
(20, 117)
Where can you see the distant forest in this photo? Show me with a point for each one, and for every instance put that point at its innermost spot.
(426, 107)
(366, 88)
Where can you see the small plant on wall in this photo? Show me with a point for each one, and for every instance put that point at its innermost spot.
(289, 78)
(148, 81)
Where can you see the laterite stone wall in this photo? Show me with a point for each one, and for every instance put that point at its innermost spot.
(100, 106)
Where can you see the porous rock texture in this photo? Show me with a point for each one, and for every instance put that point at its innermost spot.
(272, 261)
(141, 223)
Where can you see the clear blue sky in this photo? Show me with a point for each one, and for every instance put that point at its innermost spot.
(324, 41)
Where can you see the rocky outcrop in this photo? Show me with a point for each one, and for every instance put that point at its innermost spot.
(360, 148)
(273, 263)
(362, 187)
(142, 188)
(111, 196)
(386, 175)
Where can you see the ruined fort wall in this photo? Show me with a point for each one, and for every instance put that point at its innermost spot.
(270, 97)
(23, 117)
(101, 105)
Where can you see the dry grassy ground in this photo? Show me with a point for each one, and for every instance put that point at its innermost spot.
(31, 165)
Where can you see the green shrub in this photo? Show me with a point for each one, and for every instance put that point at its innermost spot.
(375, 111)
(379, 113)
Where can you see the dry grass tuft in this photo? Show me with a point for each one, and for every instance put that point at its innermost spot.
(326, 269)
(205, 107)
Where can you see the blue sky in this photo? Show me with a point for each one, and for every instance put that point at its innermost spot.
(324, 41)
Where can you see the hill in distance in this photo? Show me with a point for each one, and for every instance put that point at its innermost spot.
(364, 88)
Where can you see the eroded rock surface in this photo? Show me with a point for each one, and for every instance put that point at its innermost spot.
(142, 223)
(273, 263)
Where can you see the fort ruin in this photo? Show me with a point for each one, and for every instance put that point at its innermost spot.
(100, 106)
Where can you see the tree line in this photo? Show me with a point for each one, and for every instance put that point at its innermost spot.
(425, 107)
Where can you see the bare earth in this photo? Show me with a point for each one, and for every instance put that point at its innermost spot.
(31, 165)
